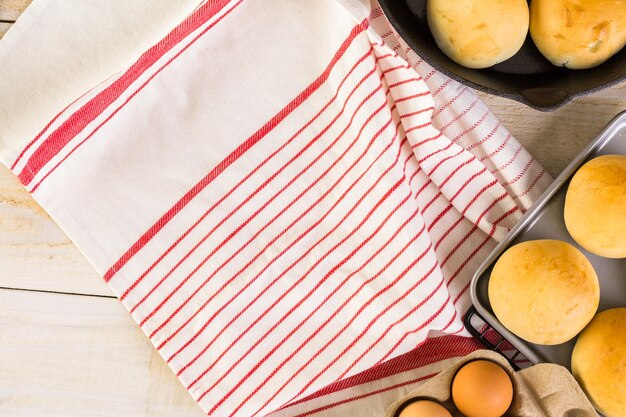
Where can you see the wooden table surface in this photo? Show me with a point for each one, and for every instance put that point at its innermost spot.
(69, 348)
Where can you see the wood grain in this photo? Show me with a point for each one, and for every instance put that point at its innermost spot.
(10, 10)
(34, 251)
(66, 356)
(13, 8)
(8, 15)
(4, 26)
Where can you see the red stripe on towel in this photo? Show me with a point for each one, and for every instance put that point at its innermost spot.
(54, 143)
(236, 154)
(251, 173)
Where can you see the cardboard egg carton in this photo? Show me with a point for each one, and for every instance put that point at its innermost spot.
(543, 390)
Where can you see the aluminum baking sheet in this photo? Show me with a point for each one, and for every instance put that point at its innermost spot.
(545, 221)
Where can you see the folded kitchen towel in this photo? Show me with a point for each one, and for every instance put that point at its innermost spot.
(284, 196)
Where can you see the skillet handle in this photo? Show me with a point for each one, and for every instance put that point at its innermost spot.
(546, 98)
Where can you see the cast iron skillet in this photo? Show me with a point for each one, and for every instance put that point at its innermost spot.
(526, 77)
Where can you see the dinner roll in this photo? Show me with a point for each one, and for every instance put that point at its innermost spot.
(478, 33)
(595, 206)
(544, 291)
(599, 362)
(578, 34)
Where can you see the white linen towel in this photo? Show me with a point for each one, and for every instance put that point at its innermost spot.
(285, 197)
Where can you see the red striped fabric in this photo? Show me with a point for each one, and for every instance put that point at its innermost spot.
(80, 119)
(389, 380)
(287, 231)
(231, 158)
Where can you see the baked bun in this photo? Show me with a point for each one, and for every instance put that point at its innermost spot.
(544, 291)
(599, 362)
(478, 33)
(595, 206)
(578, 34)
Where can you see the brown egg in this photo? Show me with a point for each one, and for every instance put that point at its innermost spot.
(482, 389)
(424, 408)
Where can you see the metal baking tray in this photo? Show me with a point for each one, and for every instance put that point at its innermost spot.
(544, 220)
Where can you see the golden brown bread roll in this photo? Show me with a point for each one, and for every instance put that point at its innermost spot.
(599, 362)
(595, 206)
(578, 34)
(478, 33)
(544, 291)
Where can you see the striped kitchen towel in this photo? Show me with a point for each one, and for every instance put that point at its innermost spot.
(285, 197)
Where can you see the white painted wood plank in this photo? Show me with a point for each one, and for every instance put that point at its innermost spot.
(9, 15)
(4, 27)
(74, 356)
(11, 9)
(34, 251)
